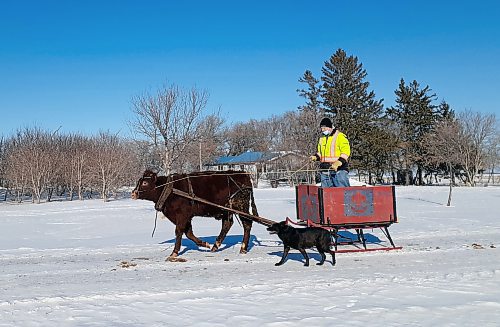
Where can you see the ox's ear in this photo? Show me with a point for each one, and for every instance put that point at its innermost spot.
(149, 174)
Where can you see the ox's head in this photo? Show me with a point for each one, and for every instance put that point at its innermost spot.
(145, 185)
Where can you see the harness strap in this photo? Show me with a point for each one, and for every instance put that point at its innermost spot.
(167, 190)
(156, 218)
(190, 188)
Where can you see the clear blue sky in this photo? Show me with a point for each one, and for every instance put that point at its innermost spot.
(77, 64)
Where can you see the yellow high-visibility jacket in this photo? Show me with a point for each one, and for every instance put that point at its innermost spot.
(332, 146)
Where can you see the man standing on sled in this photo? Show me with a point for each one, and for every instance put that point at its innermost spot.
(333, 152)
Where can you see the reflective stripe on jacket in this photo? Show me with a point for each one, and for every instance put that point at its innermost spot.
(332, 146)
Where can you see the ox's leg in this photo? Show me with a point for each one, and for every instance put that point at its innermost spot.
(227, 222)
(192, 237)
(247, 227)
(178, 239)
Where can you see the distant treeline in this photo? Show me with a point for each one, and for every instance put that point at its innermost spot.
(417, 138)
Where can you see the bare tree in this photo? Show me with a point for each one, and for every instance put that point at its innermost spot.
(54, 177)
(14, 173)
(146, 155)
(253, 135)
(477, 130)
(113, 163)
(301, 134)
(493, 156)
(74, 163)
(3, 154)
(169, 120)
(301, 130)
(30, 160)
(206, 148)
(444, 147)
(3, 165)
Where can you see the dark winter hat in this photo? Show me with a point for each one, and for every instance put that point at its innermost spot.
(326, 122)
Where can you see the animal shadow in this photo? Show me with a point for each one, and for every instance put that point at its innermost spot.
(346, 236)
(295, 255)
(229, 241)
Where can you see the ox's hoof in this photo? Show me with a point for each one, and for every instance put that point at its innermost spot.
(243, 248)
(175, 259)
(215, 247)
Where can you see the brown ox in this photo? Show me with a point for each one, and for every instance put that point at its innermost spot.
(230, 189)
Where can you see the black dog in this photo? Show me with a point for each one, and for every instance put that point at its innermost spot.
(301, 239)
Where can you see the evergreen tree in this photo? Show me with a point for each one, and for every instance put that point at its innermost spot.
(378, 153)
(312, 94)
(354, 108)
(444, 111)
(416, 115)
(306, 133)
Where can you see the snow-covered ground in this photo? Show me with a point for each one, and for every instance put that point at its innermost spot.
(95, 264)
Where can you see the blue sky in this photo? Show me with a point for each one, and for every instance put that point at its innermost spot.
(77, 64)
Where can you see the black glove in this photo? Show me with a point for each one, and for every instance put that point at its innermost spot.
(325, 166)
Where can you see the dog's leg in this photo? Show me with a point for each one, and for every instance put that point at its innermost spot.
(323, 258)
(283, 258)
(333, 258)
(304, 253)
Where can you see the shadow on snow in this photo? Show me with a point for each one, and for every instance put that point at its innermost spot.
(314, 255)
(231, 240)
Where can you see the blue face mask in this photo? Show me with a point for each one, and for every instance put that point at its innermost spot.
(326, 133)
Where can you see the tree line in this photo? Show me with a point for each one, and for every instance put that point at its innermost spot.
(411, 142)
(38, 164)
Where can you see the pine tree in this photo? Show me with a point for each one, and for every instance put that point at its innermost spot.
(416, 115)
(309, 115)
(312, 94)
(444, 111)
(354, 108)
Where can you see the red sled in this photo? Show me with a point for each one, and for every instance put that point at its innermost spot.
(348, 208)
